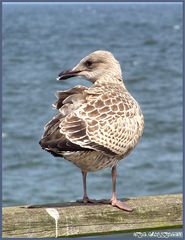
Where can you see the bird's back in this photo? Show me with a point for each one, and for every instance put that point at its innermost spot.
(102, 122)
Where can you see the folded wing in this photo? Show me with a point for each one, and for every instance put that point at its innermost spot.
(107, 121)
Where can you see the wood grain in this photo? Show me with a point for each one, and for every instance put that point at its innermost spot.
(75, 219)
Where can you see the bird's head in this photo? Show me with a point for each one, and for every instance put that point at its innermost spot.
(97, 66)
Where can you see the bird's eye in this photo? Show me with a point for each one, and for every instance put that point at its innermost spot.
(88, 63)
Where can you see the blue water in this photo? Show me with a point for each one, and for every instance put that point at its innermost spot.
(41, 40)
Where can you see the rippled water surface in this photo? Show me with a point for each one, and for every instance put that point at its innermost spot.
(41, 40)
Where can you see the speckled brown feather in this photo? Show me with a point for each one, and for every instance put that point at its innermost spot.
(110, 120)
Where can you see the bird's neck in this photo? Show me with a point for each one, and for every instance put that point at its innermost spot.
(110, 79)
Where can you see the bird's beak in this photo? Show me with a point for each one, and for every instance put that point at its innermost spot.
(68, 74)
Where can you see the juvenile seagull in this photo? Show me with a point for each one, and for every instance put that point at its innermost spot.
(98, 126)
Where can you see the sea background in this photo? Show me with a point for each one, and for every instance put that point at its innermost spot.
(41, 40)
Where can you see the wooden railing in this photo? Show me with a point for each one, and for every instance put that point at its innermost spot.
(75, 219)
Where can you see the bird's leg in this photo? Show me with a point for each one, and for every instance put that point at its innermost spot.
(85, 197)
(114, 201)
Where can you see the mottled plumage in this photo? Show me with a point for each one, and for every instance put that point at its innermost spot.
(97, 126)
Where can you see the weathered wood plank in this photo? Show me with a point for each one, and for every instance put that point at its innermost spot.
(150, 212)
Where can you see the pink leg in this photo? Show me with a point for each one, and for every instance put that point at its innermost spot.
(114, 201)
(85, 197)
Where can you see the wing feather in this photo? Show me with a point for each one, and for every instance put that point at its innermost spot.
(106, 123)
(100, 118)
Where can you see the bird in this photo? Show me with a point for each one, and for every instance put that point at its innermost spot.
(95, 127)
